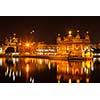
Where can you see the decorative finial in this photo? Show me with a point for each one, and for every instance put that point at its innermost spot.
(58, 34)
(87, 32)
(78, 31)
(70, 32)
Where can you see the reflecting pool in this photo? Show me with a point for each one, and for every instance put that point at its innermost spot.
(33, 70)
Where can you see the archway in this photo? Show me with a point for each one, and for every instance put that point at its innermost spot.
(9, 50)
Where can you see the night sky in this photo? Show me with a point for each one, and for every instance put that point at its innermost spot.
(46, 28)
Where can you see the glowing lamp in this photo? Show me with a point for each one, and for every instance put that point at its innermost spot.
(27, 44)
(70, 32)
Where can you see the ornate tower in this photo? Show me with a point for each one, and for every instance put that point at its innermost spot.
(78, 35)
(87, 36)
(58, 39)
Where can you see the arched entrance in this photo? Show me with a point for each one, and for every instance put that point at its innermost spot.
(9, 50)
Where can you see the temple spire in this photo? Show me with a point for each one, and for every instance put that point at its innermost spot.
(87, 36)
(58, 38)
(70, 33)
(78, 35)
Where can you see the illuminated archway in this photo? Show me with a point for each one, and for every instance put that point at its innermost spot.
(77, 72)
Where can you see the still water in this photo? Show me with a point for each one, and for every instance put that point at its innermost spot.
(32, 70)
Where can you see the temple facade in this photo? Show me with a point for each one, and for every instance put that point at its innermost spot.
(73, 46)
(12, 42)
(70, 46)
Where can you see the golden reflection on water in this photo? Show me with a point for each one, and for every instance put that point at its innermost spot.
(68, 71)
(27, 68)
(0, 61)
(69, 81)
(74, 70)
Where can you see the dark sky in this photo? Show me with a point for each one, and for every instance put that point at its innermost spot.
(46, 28)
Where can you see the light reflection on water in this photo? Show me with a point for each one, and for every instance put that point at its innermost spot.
(47, 71)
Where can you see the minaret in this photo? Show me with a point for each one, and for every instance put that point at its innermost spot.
(78, 35)
(58, 39)
(87, 36)
(14, 38)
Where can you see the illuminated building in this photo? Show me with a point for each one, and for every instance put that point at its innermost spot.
(74, 46)
(69, 46)
(11, 42)
(45, 49)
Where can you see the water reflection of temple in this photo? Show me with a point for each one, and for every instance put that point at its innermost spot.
(74, 71)
(58, 70)
(23, 67)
